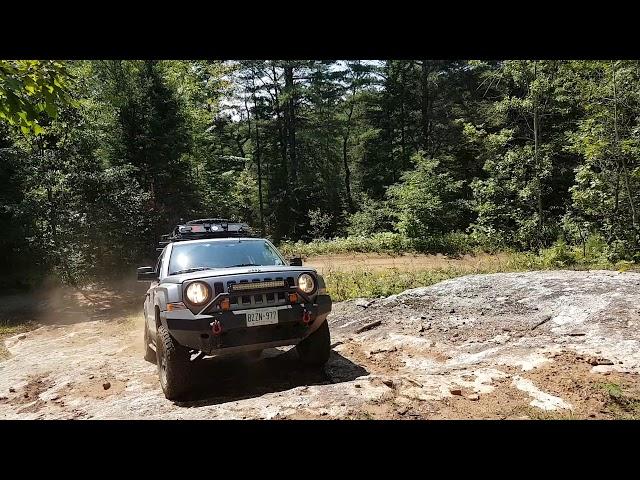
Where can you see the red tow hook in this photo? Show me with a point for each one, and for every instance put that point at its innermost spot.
(216, 327)
(306, 317)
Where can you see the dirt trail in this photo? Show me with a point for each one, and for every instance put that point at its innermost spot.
(407, 261)
(519, 345)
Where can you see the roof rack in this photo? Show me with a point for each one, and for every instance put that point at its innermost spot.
(206, 228)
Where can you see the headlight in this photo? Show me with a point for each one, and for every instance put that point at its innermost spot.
(198, 293)
(306, 283)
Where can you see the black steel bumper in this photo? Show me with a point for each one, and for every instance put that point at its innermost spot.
(197, 333)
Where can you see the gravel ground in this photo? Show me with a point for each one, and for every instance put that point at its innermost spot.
(554, 344)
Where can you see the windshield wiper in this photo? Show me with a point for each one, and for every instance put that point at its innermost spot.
(189, 270)
(244, 265)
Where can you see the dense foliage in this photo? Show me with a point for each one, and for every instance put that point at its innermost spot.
(98, 158)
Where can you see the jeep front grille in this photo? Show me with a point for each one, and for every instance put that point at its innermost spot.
(258, 299)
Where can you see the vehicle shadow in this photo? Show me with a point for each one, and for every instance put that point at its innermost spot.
(228, 379)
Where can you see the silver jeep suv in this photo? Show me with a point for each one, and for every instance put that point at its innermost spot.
(216, 290)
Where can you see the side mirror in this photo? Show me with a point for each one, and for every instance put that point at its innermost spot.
(147, 274)
(295, 261)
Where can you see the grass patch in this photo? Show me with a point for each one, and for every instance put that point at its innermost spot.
(538, 414)
(346, 285)
(8, 329)
(595, 253)
(382, 242)
(362, 283)
(621, 403)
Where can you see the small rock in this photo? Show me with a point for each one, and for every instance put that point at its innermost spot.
(473, 397)
(599, 361)
(324, 414)
(421, 329)
(26, 394)
(357, 385)
(455, 391)
(592, 415)
(402, 410)
(383, 350)
(91, 377)
(388, 382)
(453, 310)
(456, 334)
(3, 398)
(12, 390)
(106, 385)
(506, 329)
(22, 337)
(361, 302)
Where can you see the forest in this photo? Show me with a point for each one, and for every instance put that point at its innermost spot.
(99, 158)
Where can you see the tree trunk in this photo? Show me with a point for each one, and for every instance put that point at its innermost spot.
(426, 121)
(291, 120)
(402, 117)
(535, 154)
(258, 155)
(283, 143)
(347, 172)
(620, 160)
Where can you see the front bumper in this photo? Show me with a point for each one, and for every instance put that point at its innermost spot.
(195, 331)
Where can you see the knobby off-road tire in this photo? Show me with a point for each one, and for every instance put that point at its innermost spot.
(174, 367)
(315, 349)
(149, 354)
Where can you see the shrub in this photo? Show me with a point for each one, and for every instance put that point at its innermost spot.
(558, 255)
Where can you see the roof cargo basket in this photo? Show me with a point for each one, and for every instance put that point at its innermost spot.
(206, 228)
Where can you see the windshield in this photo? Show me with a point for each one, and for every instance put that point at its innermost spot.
(189, 257)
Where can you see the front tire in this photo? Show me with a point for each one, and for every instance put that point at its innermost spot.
(174, 367)
(149, 354)
(315, 349)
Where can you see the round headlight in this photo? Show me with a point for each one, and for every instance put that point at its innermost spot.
(198, 293)
(306, 283)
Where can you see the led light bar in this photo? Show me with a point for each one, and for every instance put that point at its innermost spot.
(238, 287)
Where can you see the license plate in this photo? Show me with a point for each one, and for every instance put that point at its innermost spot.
(264, 316)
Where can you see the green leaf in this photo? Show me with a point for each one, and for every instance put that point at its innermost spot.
(51, 109)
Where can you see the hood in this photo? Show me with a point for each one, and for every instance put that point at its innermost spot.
(226, 272)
